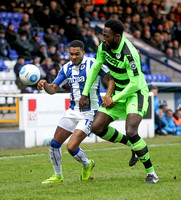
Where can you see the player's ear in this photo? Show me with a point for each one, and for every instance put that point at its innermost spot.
(118, 36)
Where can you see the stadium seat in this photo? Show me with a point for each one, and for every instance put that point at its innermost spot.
(2, 100)
(145, 68)
(10, 64)
(3, 15)
(3, 76)
(13, 54)
(3, 67)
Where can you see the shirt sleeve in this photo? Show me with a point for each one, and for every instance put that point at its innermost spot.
(93, 73)
(61, 78)
(103, 71)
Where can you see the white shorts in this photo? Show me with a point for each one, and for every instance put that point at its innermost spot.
(74, 119)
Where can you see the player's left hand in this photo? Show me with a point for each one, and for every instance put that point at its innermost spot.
(108, 102)
(83, 103)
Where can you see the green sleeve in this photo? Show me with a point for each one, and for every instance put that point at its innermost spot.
(131, 88)
(93, 73)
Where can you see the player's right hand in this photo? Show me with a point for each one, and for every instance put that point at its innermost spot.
(83, 103)
(41, 84)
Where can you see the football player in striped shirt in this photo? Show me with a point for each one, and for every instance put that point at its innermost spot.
(130, 99)
(75, 123)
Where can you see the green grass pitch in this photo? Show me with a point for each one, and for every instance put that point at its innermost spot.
(22, 170)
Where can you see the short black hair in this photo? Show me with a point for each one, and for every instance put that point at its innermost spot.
(77, 43)
(115, 25)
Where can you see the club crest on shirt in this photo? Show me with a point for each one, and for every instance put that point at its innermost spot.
(118, 56)
(132, 65)
(82, 66)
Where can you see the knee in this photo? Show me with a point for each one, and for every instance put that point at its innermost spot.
(96, 129)
(71, 147)
(131, 131)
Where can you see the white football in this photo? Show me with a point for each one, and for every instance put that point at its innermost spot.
(29, 74)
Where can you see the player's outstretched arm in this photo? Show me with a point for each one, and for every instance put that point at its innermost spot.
(49, 88)
(83, 103)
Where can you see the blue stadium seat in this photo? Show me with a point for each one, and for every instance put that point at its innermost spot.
(3, 15)
(10, 15)
(157, 78)
(145, 68)
(28, 62)
(13, 54)
(3, 67)
(5, 22)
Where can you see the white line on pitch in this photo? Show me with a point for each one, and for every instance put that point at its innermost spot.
(101, 149)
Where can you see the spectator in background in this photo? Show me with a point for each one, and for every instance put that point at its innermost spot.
(63, 37)
(36, 41)
(170, 127)
(23, 47)
(36, 62)
(43, 18)
(71, 30)
(30, 11)
(51, 38)
(26, 28)
(47, 64)
(19, 64)
(4, 46)
(43, 53)
(11, 34)
(90, 46)
(169, 52)
(146, 37)
(52, 51)
(56, 13)
(61, 51)
(156, 41)
(137, 34)
(177, 120)
(51, 75)
(177, 117)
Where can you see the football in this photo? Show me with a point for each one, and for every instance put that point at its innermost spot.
(29, 74)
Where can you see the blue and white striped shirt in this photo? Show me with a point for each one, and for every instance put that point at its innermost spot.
(76, 76)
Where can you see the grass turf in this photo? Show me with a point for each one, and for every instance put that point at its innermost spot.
(21, 177)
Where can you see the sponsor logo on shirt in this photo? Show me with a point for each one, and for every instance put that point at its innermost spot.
(111, 60)
(76, 79)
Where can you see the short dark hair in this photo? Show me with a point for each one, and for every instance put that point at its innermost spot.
(77, 43)
(115, 25)
(154, 88)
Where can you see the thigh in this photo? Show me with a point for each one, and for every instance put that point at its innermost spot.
(68, 123)
(137, 103)
(100, 122)
(84, 125)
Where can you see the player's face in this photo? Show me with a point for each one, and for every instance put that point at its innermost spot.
(76, 55)
(110, 39)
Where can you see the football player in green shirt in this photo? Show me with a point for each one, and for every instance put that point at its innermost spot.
(130, 98)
